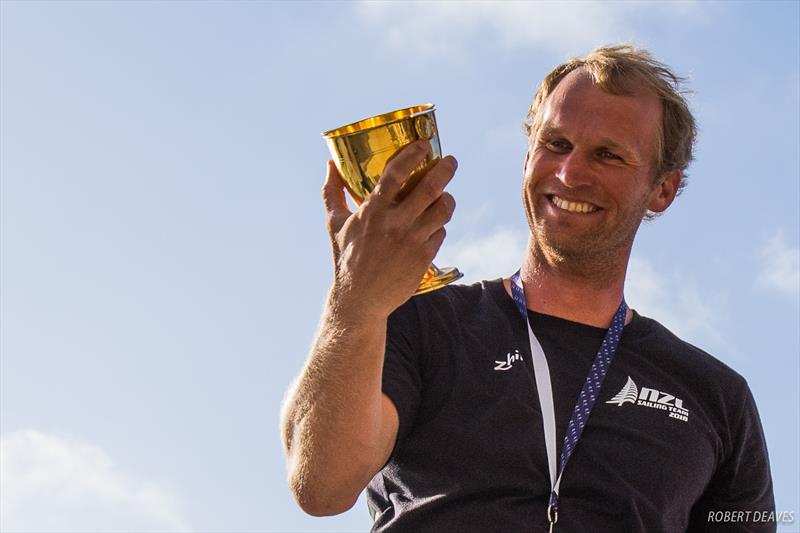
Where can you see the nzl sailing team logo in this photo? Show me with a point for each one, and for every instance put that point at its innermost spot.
(652, 398)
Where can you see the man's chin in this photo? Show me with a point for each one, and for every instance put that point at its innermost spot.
(569, 244)
(579, 251)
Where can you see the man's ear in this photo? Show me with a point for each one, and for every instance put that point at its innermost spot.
(665, 192)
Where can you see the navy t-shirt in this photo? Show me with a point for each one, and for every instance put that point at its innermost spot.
(673, 438)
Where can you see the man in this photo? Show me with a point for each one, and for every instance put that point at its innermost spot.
(590, 417)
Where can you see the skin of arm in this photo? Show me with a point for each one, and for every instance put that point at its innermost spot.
(338, 428)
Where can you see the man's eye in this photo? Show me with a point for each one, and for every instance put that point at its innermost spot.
(605, 154)
(557, 145)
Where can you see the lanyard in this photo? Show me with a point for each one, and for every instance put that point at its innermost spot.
(586, 400)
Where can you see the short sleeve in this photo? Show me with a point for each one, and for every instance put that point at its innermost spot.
(740, 495)
(402, 373)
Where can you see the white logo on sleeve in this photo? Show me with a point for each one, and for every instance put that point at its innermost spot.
(510, 359)
(651, 398)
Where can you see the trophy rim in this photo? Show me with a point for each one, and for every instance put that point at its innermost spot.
(422, 109)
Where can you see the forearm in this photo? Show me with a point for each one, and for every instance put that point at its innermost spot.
(332, 417)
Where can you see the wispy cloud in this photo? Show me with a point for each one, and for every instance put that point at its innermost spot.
(488, 257)
(502, 137)
(780, 267)
(55, 484)
(678, 304)
(439, 29)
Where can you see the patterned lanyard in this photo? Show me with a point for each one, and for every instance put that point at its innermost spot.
(586, 400)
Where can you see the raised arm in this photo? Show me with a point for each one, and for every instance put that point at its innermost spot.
(338, 428)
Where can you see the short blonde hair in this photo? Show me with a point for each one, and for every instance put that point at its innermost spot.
(621, 69)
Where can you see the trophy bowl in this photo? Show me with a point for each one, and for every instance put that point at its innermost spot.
(362, 149)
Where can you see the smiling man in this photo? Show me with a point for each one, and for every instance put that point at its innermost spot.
(540, 400)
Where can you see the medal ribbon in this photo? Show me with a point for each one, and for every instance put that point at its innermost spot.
(586, 400)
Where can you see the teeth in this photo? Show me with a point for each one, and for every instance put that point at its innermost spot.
(574, 207)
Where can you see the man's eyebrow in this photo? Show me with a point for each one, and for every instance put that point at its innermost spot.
(628, 151)
(610, 143)
(549, 130)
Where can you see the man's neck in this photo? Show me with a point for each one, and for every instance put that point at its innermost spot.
(586, 300)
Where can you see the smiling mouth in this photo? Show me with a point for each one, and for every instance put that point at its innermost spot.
(572, 207)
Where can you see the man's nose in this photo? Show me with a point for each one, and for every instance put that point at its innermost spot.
(574, 169)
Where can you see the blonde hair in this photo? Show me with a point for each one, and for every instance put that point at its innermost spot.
(622, 69)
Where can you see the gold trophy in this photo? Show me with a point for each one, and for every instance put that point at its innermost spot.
(361, 150)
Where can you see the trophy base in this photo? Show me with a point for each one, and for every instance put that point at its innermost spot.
(436, 278)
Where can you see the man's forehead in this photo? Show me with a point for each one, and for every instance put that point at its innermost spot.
(577, 86)
(580, 83)
(578, 96)
(581, 78)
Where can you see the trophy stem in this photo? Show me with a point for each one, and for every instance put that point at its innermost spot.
(436, 278)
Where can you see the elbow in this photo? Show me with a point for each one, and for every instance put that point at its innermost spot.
(325, 507)
(317, 493)
(321, 485)
(322, 503)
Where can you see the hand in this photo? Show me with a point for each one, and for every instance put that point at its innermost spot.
(381, 251)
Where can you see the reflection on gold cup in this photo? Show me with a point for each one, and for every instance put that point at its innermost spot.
(362, 149)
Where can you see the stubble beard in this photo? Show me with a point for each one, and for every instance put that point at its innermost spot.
(597, 255)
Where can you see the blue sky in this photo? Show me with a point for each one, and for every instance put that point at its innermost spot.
(164, 259)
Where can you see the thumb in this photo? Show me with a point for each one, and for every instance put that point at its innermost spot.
(334, 200)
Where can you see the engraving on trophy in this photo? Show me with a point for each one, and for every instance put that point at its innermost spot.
(424, 127)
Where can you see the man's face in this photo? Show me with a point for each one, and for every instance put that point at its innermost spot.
(589, 172)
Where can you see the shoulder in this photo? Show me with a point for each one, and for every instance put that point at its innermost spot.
(462, 302)
(684, 357)
(453, 311)
(457, 294)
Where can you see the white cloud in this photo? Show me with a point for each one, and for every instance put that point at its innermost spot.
(489, 257)
(54, 484)
(435, 29)
(780, 267)
(675, 303)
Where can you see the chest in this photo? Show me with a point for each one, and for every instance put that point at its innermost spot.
(644, 432)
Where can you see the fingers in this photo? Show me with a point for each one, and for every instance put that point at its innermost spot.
(436, 216)
(398, 170)
(429, 189)
(334, 200)
(434, 242)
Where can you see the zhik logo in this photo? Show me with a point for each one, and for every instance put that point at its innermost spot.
(651, 398)
(510, 358)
